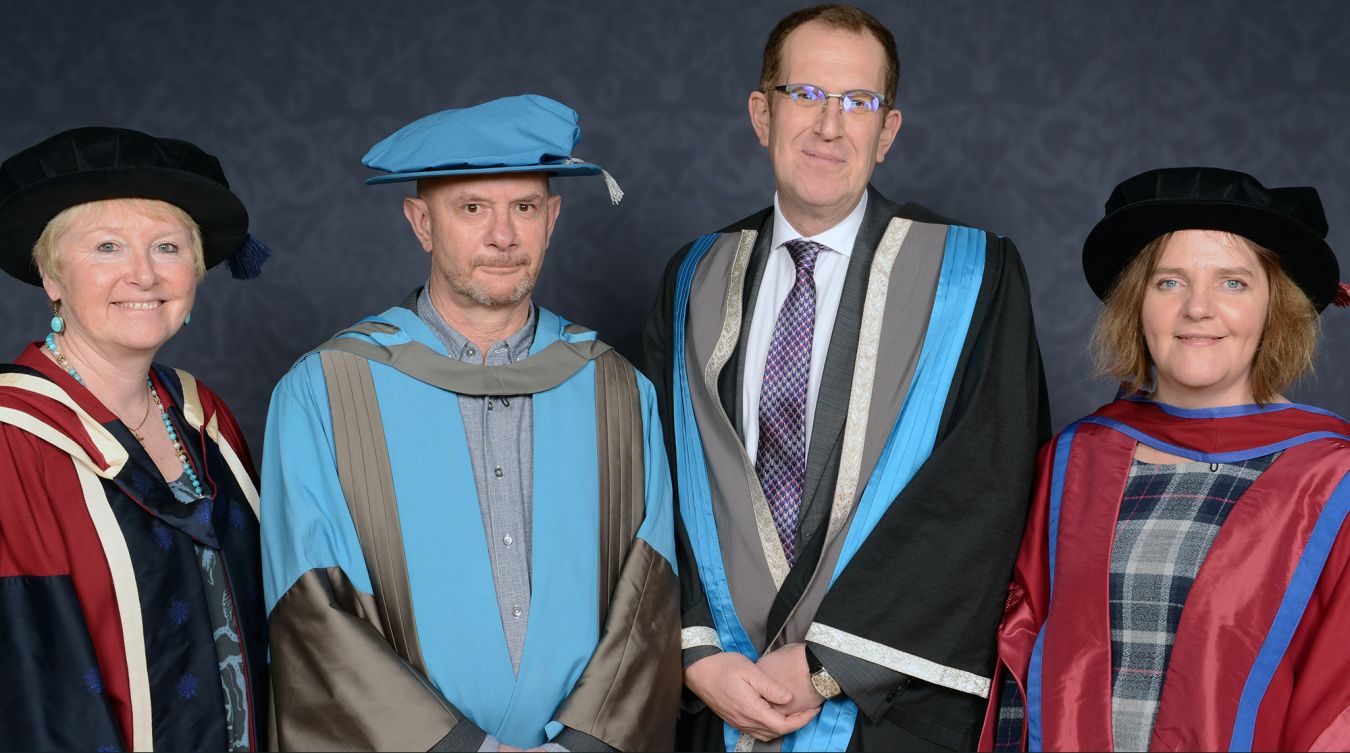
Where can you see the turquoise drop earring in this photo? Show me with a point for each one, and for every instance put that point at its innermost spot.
(58, 324)
(188, 319)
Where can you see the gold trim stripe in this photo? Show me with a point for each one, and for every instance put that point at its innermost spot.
(699, 636)
(128, 604)
(899, 661)
(107, 445)
(192, 400)
(53, 436)
(193, 412)
(236, 467)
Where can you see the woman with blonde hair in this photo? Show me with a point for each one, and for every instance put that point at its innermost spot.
(1184, 581)
(131, 611)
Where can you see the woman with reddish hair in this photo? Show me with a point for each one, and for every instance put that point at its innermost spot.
(1184, 581)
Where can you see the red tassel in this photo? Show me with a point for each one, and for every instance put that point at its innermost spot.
(1342, 297)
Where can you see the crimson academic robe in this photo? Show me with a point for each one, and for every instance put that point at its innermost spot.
(104, 627)
(1260, 658)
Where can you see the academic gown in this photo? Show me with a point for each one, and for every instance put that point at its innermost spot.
(919, 469)
(385, 626)
(1260, 657)
(103, 618)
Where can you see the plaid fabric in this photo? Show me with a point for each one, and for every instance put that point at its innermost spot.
(1012, 716)
(1169, 516)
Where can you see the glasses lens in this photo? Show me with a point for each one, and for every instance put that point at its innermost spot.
(860, 101)
(805, 94)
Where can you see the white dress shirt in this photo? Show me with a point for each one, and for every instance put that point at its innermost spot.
(779, 275)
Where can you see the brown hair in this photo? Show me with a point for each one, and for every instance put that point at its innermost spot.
(1288, 342)
(46, 256)
(845, 17)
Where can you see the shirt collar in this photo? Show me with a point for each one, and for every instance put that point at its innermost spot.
(459, 347)
(839, 238)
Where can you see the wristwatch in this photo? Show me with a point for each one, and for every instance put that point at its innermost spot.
(821, 679)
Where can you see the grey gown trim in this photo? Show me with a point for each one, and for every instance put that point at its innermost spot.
(542, 371)
(901, 285)
(864, 374)
(774, 556)
(619, 437)
(368, 484)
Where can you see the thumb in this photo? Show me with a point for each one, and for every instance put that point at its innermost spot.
(768, 688)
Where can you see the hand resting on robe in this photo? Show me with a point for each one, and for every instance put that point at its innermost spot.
(744, 696)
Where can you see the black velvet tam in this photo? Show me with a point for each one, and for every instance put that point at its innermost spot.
(1288, 221)
(96, 163)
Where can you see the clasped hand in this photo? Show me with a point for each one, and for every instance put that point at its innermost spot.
(767, 699)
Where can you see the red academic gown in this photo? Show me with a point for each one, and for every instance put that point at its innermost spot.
(103, 624)
(1261, 659)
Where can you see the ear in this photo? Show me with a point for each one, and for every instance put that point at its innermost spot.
(554, 207)
(889, 129)
(759, 116)
(419, 219)
(53, 288)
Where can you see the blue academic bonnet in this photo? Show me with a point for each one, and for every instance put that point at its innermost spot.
(524, 133)
(97, 163)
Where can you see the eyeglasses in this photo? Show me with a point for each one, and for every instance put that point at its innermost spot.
(857, 102)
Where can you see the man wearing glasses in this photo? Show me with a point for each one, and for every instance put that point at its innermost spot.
(853, 397)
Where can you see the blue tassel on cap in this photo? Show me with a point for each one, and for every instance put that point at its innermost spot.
(247, 262)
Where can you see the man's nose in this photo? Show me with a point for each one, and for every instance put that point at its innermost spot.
(830, 121)
(503, 229)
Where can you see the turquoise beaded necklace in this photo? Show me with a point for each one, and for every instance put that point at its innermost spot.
(154, 396)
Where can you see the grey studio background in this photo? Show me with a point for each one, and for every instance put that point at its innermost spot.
(1018, 117)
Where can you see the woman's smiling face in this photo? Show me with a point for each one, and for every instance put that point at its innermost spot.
(1203, 316)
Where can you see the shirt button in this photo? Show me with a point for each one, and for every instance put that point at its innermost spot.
(470, 352)
(497, 472)
(507, 540)
(515, 611)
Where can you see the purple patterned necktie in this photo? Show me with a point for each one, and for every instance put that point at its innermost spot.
(781, 461)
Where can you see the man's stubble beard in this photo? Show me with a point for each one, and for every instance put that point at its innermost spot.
(465, 285)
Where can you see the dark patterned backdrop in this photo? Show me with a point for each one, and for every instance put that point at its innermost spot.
(1019, 117)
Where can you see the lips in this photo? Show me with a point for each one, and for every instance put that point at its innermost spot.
(506, 264)
(823, 157)
(1199, 339)
(499, 268)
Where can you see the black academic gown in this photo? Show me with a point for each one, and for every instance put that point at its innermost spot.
(931, 578)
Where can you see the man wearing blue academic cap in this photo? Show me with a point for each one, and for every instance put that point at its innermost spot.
(467, 512)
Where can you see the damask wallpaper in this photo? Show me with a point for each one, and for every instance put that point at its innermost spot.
(1018, 117)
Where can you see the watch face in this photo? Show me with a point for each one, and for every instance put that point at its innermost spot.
(825, 684)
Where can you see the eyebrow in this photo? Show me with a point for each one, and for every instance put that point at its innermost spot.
(479, 199)
(117, 230)
(1221, 271)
